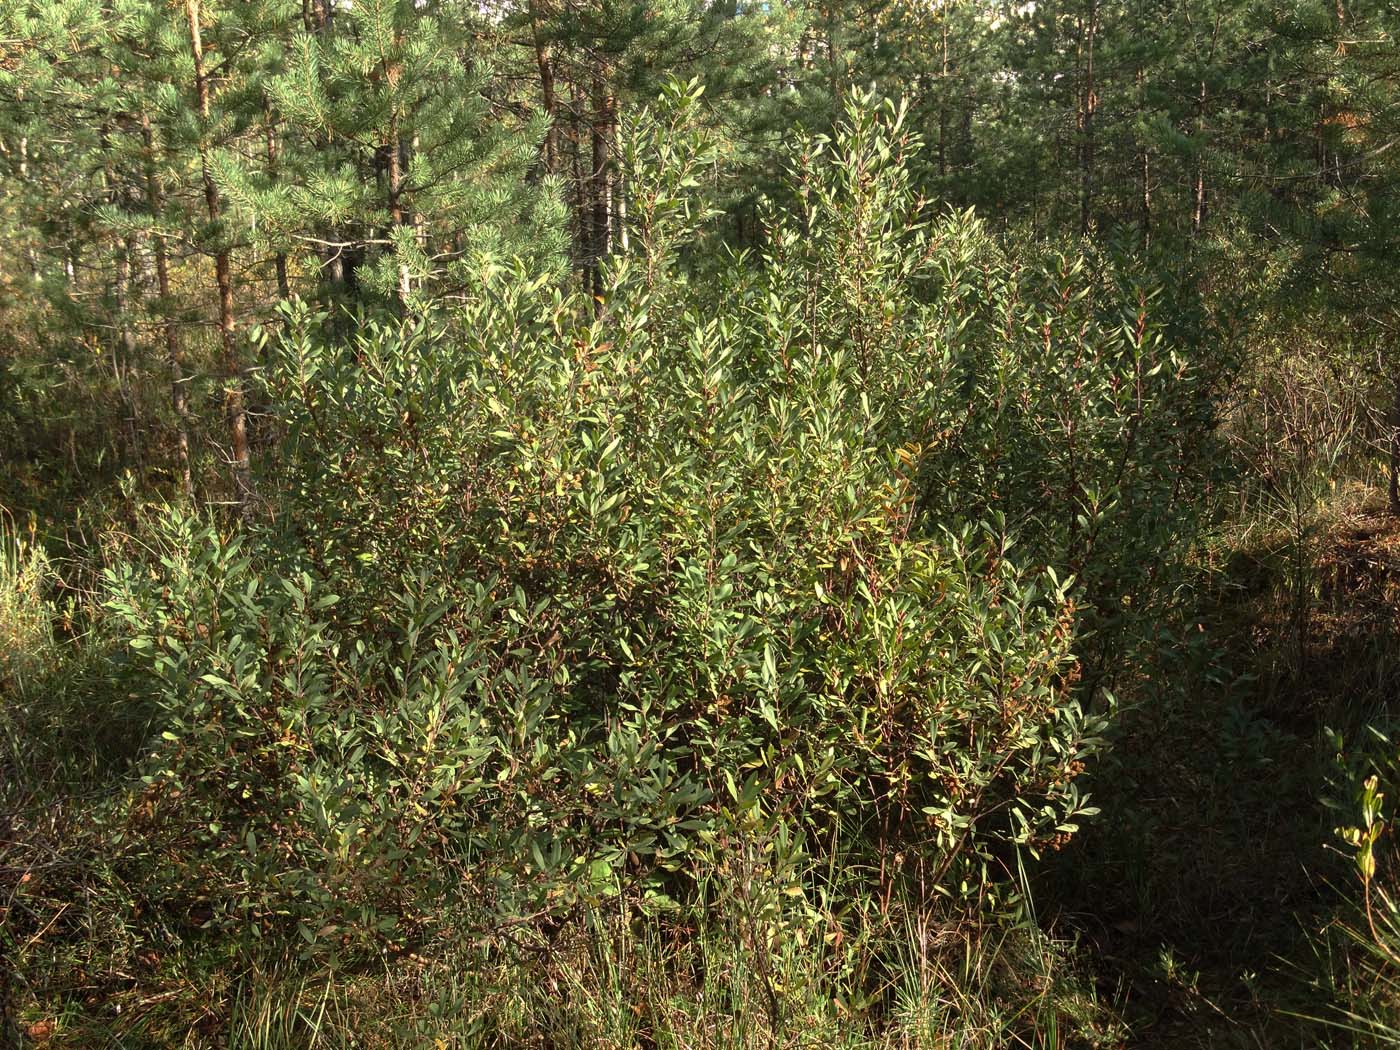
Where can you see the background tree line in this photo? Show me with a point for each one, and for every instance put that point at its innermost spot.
(169, 179)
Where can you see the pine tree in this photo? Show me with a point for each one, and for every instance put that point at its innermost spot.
(593, 64)
(392, 159)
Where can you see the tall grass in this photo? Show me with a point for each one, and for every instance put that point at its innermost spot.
(27, 646)
(609, 983)
(1361, 964)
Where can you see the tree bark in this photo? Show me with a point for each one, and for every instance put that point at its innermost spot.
(1198, 188)
(1089, 109)
(173, 356)
(123, 348)
(601, 134)
(943, 103)
(1145, 178)
(396, 210)
(621, 233)
(279, 258)
(583, 238)
(316, 16)
(1198, 182)
(544, 59)
(31, 256)
(124, 353)
(1395, 448)
(235, 409)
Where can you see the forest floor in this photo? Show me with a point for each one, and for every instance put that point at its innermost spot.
(1206, 900)
(1207, 890)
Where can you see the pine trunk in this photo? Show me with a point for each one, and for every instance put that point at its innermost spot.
(1395, 448)
(1198, 181)
(396, 210)
(601, 130)
(173, 355)
(124, 352)
(1089, 109)
(1144, 178)
(235, 409)
(279, 258)
(583, 240)
(943, 105)
(544, 59)
(1198, 187)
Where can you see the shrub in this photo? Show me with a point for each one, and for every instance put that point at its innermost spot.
(557, 601)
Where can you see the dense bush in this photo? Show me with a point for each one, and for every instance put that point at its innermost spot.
(485, 562)
(553, 604)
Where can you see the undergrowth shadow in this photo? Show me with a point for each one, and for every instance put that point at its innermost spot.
(1208, 881)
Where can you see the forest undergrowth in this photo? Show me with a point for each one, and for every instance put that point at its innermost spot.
(1209, 905)
(699, 525)
(1214, 891)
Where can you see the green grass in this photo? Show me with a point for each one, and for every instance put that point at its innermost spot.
(27, 645)
(609, 984)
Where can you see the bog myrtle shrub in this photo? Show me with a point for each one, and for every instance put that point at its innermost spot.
(553, 601)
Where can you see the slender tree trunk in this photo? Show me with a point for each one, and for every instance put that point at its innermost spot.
(396, 210)
(279, 258)
(620, 198)
(601, 134)
(583, 235)
(544, 59)
(173, 356)
(833, 56)
(1198, 181)
(1089, 109)
(124, 353)
(123, 347)
(316, 17)
(1395, 448)
(223, 274)
(413, 218)
(943, 104)
(30, 255)
(1144, 178)
(967, 146)
(1145, 204)
(1198, 188)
